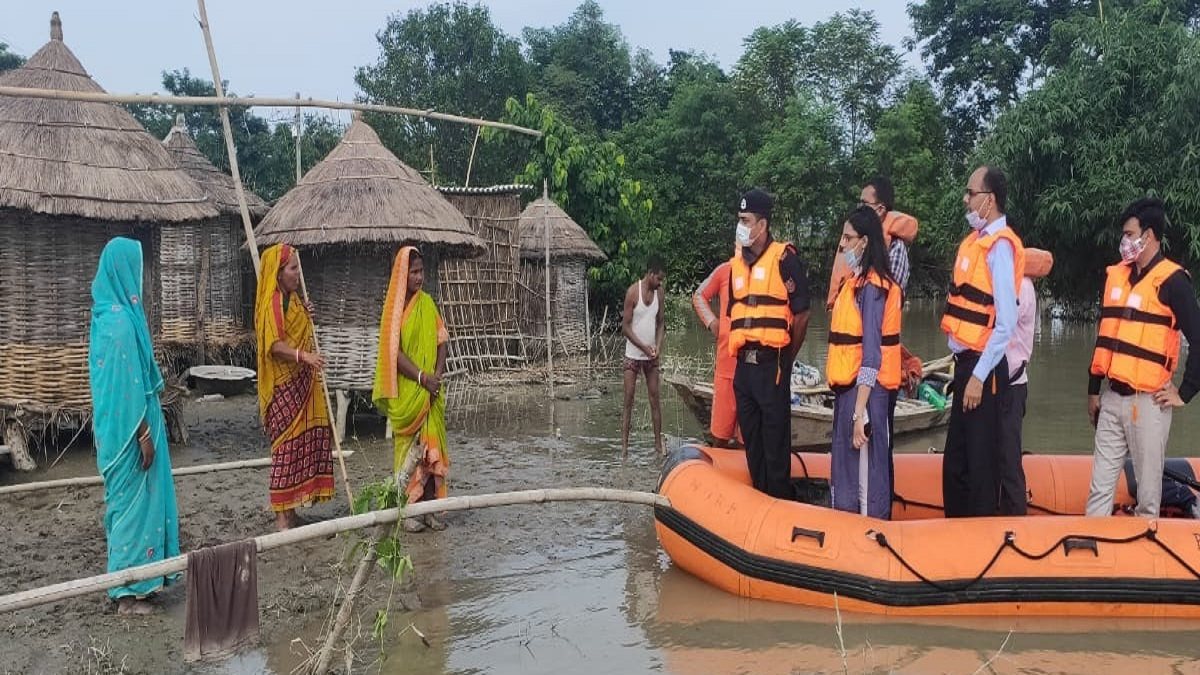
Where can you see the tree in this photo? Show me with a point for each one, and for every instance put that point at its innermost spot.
(8, 59)
(452, 58)
(591, 181)
(692, 157)
(1116, 122)
(584, 69)
(266, 154)
(840, 61)
(985, 53)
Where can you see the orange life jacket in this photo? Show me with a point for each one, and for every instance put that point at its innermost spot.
(759, 311)
(1138, 341)
(971, 305)
(846, 335)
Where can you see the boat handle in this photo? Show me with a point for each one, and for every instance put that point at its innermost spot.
(1071, 543)
(811, 534)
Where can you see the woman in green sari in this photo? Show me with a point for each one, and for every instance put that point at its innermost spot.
(141, 521)
(408, 384)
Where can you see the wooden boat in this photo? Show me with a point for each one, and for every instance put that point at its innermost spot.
(812, 419)
(1054, 562)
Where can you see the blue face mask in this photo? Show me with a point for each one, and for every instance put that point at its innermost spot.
(852, 260)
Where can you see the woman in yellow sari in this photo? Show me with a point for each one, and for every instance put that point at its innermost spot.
(408, 384)
(293, 410)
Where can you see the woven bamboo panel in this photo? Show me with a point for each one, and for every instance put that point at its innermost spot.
(568, 300)
(179, 257)
(347, 286)
(478, 297)
(186, 251)
(43, 378)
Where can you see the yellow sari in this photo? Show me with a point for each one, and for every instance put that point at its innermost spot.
(293, 411)
(415, 328)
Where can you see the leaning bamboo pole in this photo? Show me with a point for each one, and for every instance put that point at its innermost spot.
(79, 587)
(549, 326)
(261, 101)
(81, 481)
(229, 147)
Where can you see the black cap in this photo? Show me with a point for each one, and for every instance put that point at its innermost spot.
(756, 201)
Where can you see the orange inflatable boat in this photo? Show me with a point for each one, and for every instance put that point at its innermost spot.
(1053, 562)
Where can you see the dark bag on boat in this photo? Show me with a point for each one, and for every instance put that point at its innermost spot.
(1175, 495)
(813, 491)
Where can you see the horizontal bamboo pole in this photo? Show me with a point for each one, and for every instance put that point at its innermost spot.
(182, 471)
(269, 102)
(73, 589)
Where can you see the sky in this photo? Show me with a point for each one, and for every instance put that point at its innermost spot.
(279, 47)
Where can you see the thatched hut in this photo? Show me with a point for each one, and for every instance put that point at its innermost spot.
(350, 215)
(72, 176)
(204, 268)
(478, 297)
(571, 253)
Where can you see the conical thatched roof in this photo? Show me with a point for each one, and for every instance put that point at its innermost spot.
(217, 184)
(362, 194)
(89, 160)
(567, 238)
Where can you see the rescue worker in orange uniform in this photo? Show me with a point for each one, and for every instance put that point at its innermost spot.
(980, 317)
(1147, 301)
(768, 321)
(863, 369)
(723, 425)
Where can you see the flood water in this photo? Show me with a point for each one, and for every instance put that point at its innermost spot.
(586, 589)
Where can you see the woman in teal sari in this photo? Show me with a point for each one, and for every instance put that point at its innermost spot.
(130, 434)
(408, 384)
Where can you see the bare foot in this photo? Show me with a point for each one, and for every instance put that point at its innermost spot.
(413, 525)
(283, 521)
(436, 524)
(134, 607)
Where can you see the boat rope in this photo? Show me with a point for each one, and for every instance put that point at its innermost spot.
(1067, 543)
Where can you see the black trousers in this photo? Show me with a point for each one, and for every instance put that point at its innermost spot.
(764, 411)
(971, 463)
(1012, 473)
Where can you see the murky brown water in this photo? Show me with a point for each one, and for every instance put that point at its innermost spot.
(588, 590)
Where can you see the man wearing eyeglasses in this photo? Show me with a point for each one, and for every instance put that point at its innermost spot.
(981, 314)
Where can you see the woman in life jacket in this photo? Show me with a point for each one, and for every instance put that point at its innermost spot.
(863, 367)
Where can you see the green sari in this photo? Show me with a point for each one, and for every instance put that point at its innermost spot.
(419, 423)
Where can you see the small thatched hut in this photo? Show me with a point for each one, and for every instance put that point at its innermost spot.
(349, 215)
(204, 269)
(571, 253)
(72, 176)
(478, 297)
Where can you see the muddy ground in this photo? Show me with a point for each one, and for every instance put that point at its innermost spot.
(57, 535)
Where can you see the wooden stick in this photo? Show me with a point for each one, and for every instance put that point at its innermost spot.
(250, 101)
(549, 332)
(299, 133)
(346, 611)
(471, 159)
(337, 442)
(229, 147)
(181, 471)
(78, 587)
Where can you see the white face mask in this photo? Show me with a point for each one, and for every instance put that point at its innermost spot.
(743, 234)
(976, 221)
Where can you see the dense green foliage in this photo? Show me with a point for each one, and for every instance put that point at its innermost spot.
(9, 60)
(1087, 104)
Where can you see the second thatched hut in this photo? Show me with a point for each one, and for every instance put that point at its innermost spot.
(205, 269)
(349, 216)
(572, 252)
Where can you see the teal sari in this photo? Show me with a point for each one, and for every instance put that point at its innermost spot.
(140, 520)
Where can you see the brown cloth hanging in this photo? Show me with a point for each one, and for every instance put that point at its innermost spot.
(222, 601)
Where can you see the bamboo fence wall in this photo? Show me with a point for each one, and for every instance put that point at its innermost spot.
(478, 297)
(46, 270)
(568, 299)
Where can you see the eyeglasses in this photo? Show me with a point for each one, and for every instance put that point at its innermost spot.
(971, 193)
(870, 204)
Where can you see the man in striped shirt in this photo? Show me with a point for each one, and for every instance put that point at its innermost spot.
(723, 425)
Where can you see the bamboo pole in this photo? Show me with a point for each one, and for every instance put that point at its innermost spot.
(337, 441)
(549, 326)
(365, 566)
(181, 471)
(471, 159)
(95, 584)
(299, 133)
(229, 147)
(251, 101)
